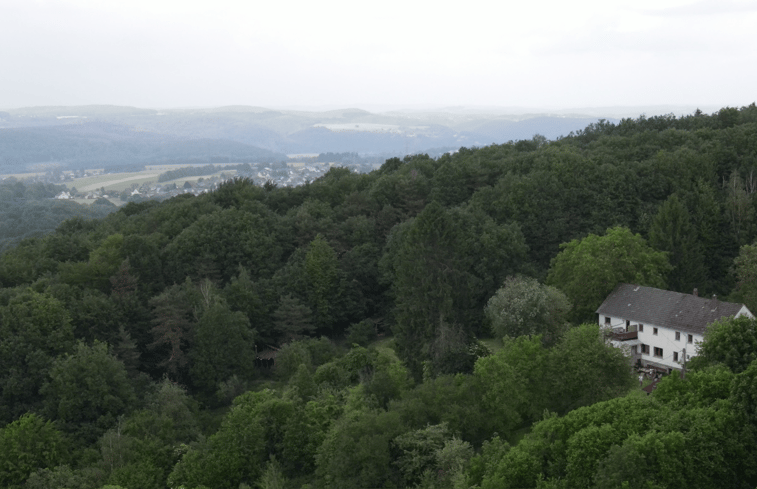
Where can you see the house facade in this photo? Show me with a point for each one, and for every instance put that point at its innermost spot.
(660, 328)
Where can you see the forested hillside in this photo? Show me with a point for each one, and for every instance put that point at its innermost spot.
(135, 350)
(30, 210)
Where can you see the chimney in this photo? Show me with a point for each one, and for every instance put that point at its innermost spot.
(696, 292)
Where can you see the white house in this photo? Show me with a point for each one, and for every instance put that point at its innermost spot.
(658, 327)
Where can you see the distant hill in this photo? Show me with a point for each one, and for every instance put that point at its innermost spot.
(113, 136)
(109, 145)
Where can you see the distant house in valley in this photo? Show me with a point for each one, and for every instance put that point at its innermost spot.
(658, 327)
(63, 196)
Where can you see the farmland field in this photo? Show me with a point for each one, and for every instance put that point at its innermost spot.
(118, 182)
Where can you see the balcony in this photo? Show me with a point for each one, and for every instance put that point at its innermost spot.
(625, 336)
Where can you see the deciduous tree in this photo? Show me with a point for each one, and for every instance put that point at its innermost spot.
(587, 270)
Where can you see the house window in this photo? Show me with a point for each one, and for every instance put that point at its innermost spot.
(658, 352)
(691, 338)
(634, 349)
(675, 356)
(607, 320)
(641, 327)
(644, 349)
(654, 331)
(678, 336)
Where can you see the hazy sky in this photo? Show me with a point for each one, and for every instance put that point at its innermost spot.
(278, 53)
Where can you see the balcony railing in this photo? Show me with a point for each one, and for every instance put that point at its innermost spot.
(625, 336)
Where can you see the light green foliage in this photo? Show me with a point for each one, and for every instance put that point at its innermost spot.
(418, 452)
(547, 450)
(585, 370)
(522, 306)
(88, 390)
(588, 270)
(728, 341)
(700, 388)
(34, 329)
(301, 384)
(389, 381)
(28, 444)
(142, 449)
(517, 382)
(273, 477)
(234, 454)
(452, 460)
(698, 440)
(524, 378)
(636, 463)
(305, 431)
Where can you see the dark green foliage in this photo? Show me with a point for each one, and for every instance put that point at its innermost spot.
(356, 453)
(746, 275)
(192, 289)
(30, 210)
(673, 232)
(88, 390)
(223, 345)
(322, 276)
(216, 244)
(361, 333)
(173, 318)
(34, 329)
(292, 318)
(444, 265)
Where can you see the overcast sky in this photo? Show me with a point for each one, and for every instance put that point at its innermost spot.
(316, 53)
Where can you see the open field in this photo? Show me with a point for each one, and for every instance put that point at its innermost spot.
(20, 176)
(118, 182)
(112, 181)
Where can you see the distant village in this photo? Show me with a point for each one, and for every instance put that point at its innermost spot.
(283, 174)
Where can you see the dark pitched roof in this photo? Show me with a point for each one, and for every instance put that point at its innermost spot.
(674, 310)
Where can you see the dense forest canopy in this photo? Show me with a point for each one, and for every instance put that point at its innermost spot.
(137, 348)
(30, 210)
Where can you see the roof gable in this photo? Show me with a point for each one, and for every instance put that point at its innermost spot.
(667, 309)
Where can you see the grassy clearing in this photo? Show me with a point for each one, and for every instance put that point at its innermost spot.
(118, 182)
(113, 182)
